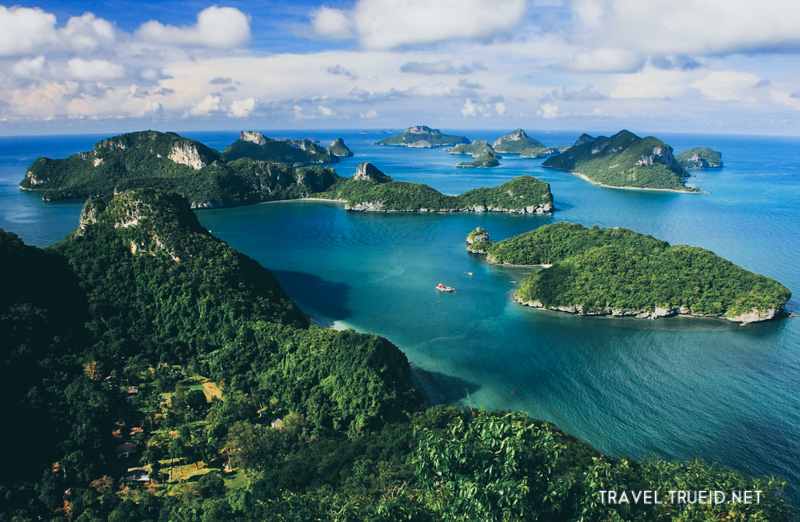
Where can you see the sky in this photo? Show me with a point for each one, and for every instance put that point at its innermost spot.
(710, 66)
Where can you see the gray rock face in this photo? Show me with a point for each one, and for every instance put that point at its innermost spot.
(368, 172)
(253, 137)
(186, 154)
(514, 136)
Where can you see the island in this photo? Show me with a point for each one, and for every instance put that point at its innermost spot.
(152, 372)
(700, 158)
(421, 136)
(623, 161)
(482, 153)
(371, 190)
(517, 142)
(255, 145)
(619, 272)
(168, 161)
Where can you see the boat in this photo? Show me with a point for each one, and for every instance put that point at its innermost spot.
(443, 288)
(469, 273)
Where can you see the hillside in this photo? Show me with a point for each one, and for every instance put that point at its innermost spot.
(623, 160)
(700, 158)
(167, 161)
(421, 136)
(623, 273)
(372, 190)
(143, 332)
(255, 145)
(482, 153)
(517, 142)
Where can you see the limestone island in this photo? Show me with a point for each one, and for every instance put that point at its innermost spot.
(482, 153)
(518, 142)
(210, 179)
(619, 272)
(700, 158)
(624, 161)
(371, 190)
(255, 145)
(422, 137)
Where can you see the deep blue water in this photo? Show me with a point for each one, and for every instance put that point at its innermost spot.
(677, 387)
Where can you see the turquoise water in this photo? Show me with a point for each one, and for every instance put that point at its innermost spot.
(675, 387)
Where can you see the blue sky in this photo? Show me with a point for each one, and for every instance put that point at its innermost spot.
(716, 66)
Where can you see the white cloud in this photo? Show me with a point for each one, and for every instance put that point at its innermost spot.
(242, 108)
(689, 26)
(548, 111)
(25, 31)
(325, 110)
(471, 108)
(500, 108)
(216, 28)
(33, 68)
(94, 70)
(653, 83)
(331, 23)
(606, 60)
(87, 33)
(728, 86)
(387, 24)
(208, 105)
(370, 114)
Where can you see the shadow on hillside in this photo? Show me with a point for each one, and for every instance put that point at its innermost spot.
(323, 301)
(440, 388)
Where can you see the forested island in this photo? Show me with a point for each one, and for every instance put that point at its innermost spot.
(700, 158)
(421, 136)
(371, 190)
(151, 372)
(482, 153)
(625, 161)
(255, 145)
(167, 161)
(517, 142)
(619, 272)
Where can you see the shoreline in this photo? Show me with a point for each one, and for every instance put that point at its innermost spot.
(597, 183)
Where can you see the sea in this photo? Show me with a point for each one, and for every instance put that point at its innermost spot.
(679, 388)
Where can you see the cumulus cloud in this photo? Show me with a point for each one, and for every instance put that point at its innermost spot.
(25, 31)
(242, 108)
(208, 105)
(607, 60)
(331, 23)
(690, 27)
(216, 28)
(325, 110)
(388, 24)
(94, 70)
(370, 114)
(430, 68)
(586, 93)
(32, 68)
(548, 111)
(87, 33)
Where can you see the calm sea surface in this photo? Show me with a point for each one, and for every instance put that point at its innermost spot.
(677, 387)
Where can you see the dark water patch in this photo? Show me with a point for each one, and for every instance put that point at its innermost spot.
(322, 300)
(440, 388)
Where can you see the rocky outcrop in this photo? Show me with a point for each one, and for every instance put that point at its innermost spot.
(659, 155)
(185, 153)
(420, 144)
(368, 172)
(253, 137)
(339, 149)
(657, 313)
(477, 236)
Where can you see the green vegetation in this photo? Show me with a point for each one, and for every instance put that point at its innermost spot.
(371, 189)
(620, 272)
(339, 149)
(623, 160)
(166, 161)
(422, 136)
(255, 145)
(518, 142)
(700, 158)
(483, 153)
(143, 325)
